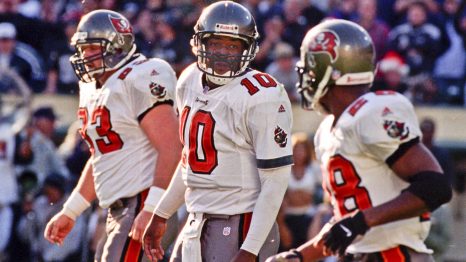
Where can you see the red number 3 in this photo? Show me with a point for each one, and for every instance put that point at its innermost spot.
(108, 140)
(345, 181)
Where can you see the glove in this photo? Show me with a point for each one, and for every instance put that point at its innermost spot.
(292, 255)
(342, 234)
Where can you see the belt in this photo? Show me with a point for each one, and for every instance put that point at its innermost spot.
(120, 203)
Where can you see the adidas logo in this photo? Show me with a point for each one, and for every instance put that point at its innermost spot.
(281, 109)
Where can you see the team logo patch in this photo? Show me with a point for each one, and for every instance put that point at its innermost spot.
(281, 109)
(280, 136)
(396, 129)
(121, 25)
(325, 42)
(157, 90)
(226, 231)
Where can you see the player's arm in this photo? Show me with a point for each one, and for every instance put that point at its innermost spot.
(269, 125)
(83, 194)
(427, 191)
(160, 125)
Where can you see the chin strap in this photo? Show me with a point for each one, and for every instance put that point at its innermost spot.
(219, 80)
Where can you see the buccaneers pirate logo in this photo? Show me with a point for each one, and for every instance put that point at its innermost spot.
(157, 90)
(280, 137)
(396, 129)
(325, 42)
(121, 25)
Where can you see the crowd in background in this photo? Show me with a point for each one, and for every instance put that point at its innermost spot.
(420, 48)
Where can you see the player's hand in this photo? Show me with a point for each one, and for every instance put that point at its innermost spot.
(139, 225)
(244, 256)
(342, 233)
(152, 238)
(292, 255)
(58, 228)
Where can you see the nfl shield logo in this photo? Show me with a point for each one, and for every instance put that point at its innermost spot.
(226, 231)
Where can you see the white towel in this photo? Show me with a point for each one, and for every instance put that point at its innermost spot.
(191, 247)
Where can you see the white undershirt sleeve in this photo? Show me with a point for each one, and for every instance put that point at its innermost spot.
(274, 183)
(173, 197)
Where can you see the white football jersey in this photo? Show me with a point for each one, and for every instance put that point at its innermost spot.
(8, 185)
(228, 133)
(355, 156)
(123, 159)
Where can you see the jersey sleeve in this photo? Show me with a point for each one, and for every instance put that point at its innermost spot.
(387, 126)
(152, 84)
(269, 125)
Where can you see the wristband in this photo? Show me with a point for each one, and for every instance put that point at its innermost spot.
(153, 198)
(75, 205)
(298, 254)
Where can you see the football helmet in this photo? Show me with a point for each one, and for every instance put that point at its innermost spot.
(225, 18)
(335, 52)
(113, 32)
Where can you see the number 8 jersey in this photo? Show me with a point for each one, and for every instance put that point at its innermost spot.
(123, 159)
(356, 153)
(228, 133)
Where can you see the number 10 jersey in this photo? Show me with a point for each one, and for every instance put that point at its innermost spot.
(228, 133)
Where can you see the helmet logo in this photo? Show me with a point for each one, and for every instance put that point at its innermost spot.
(157, 90)
(325, 42)
(121, 25)
(227, 28)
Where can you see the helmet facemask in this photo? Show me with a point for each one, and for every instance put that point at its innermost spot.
(310, 89)
(206, 60)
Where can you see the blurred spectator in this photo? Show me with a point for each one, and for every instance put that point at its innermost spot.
(144, 33)
(423, 90)
(32, 225)
(298, 202)
(393, 71)
(401, 7)
(296, 24)
(273, 30)
(45, 159)
(171, 46)
(442, 154)
(377, 29)
(61, 77)
(11, 59)
(418, 41)
(313, 13)
(345, 9)
(75, 151)
(283, 69)
(441, 232)
(262, 11)
(449, 71)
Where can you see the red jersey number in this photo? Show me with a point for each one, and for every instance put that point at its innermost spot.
(108, 140)
(202, 156)
(263, 79)
(345, 181)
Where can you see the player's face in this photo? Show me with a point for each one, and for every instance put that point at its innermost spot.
(224, 53)
(93, 54)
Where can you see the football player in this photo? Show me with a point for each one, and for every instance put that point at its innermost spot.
(381, 179)
(128, 120)
(235, 128)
